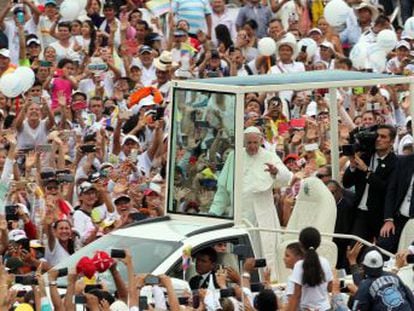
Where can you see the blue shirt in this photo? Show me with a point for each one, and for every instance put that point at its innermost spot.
(259, 13)
(193, 11)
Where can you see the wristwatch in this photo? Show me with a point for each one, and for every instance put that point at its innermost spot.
(53, 283)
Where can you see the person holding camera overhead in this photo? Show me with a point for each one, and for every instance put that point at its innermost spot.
(369, 172)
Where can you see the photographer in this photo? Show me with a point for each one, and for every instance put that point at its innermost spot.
(369, 173)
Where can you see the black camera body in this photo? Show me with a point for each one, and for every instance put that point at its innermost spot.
(361, 140)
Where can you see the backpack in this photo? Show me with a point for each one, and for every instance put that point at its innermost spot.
(389, 293)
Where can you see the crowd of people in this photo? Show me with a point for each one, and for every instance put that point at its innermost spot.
(84, 151)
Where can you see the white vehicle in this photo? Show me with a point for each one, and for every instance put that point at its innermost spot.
(157, 244)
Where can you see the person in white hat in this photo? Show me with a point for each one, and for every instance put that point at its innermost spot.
(164, 66)
(287, 51)
(263, 170)
(397, 64)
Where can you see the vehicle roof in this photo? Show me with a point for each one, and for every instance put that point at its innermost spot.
(173, 228)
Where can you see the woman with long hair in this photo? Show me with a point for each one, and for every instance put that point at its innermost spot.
(311, 276)
(87, 38)
(60, 239)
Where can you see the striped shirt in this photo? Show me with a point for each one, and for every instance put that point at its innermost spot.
(194, 12)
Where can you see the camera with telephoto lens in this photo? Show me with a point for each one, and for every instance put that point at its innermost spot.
(361, 140)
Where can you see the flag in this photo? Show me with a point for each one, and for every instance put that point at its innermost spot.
(158, 7)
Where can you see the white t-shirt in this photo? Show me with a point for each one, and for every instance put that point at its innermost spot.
(316, 297)
(29, 137)
(65, 52)
(10, 30)
(57, 254)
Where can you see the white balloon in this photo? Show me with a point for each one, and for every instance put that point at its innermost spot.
(377, 58)
(359, 54)
(266, 46)
(10, 85)
(336, 12)
(409, 26)
(387, 40)
(82, 3)
(26, 76)
(311, 46)
(70, 10)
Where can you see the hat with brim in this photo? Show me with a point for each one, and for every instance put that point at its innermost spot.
(33, 40)
(129, 137)
(404, 44)
(164, 62)
(373, 262)
(317, 30)
(5, 53)
(291, 156)
(365, 5)
(85, 186)
(121, 197)
(328, 45)
(50, 2)
(290, 44)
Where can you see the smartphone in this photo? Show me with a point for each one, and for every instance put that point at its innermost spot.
(260, 263)
(143, 303)
(79, 300)
(62, 272)
(133, 155)
(118, 253)
(26, 279)
(44, 148)
(159, 115)
(342, 286)
(91, 287)
(47, 175)
(348, 150)
(227, 292)
(11, 213)
(303, 48)
(311, 147)
(201, 124)
(152, 280)
(373, 106)
(256, 287)
(183, 301)
(260, 122)
(36, 100)
(88, 148)
(301, 162)
(45, 63)
(410, 258)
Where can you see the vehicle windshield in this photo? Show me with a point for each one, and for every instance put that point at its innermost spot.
(147, 254)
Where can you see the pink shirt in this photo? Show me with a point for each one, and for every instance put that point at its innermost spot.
(60, 85)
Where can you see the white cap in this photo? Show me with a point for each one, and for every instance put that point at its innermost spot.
(129, 137)
(5, 53)
(315, 29)
(385, 93)
(17, 235)
(252, 130)
(403, 43)
(118, 305)
(328, 45)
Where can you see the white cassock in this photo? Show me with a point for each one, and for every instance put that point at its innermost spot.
(257, 196)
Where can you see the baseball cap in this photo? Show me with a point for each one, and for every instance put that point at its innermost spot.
(403, 43)
(118, 199)
(328, 45)
(33, 40)
(17, 235)
(180, 32)
(85, 186)
(5, 53)
(109, 5)
(373, 262)
(153, 36)
(129, 137)
(145, 49)
(315, 30)
(291, 156)
(53, 2)
(24, 307)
